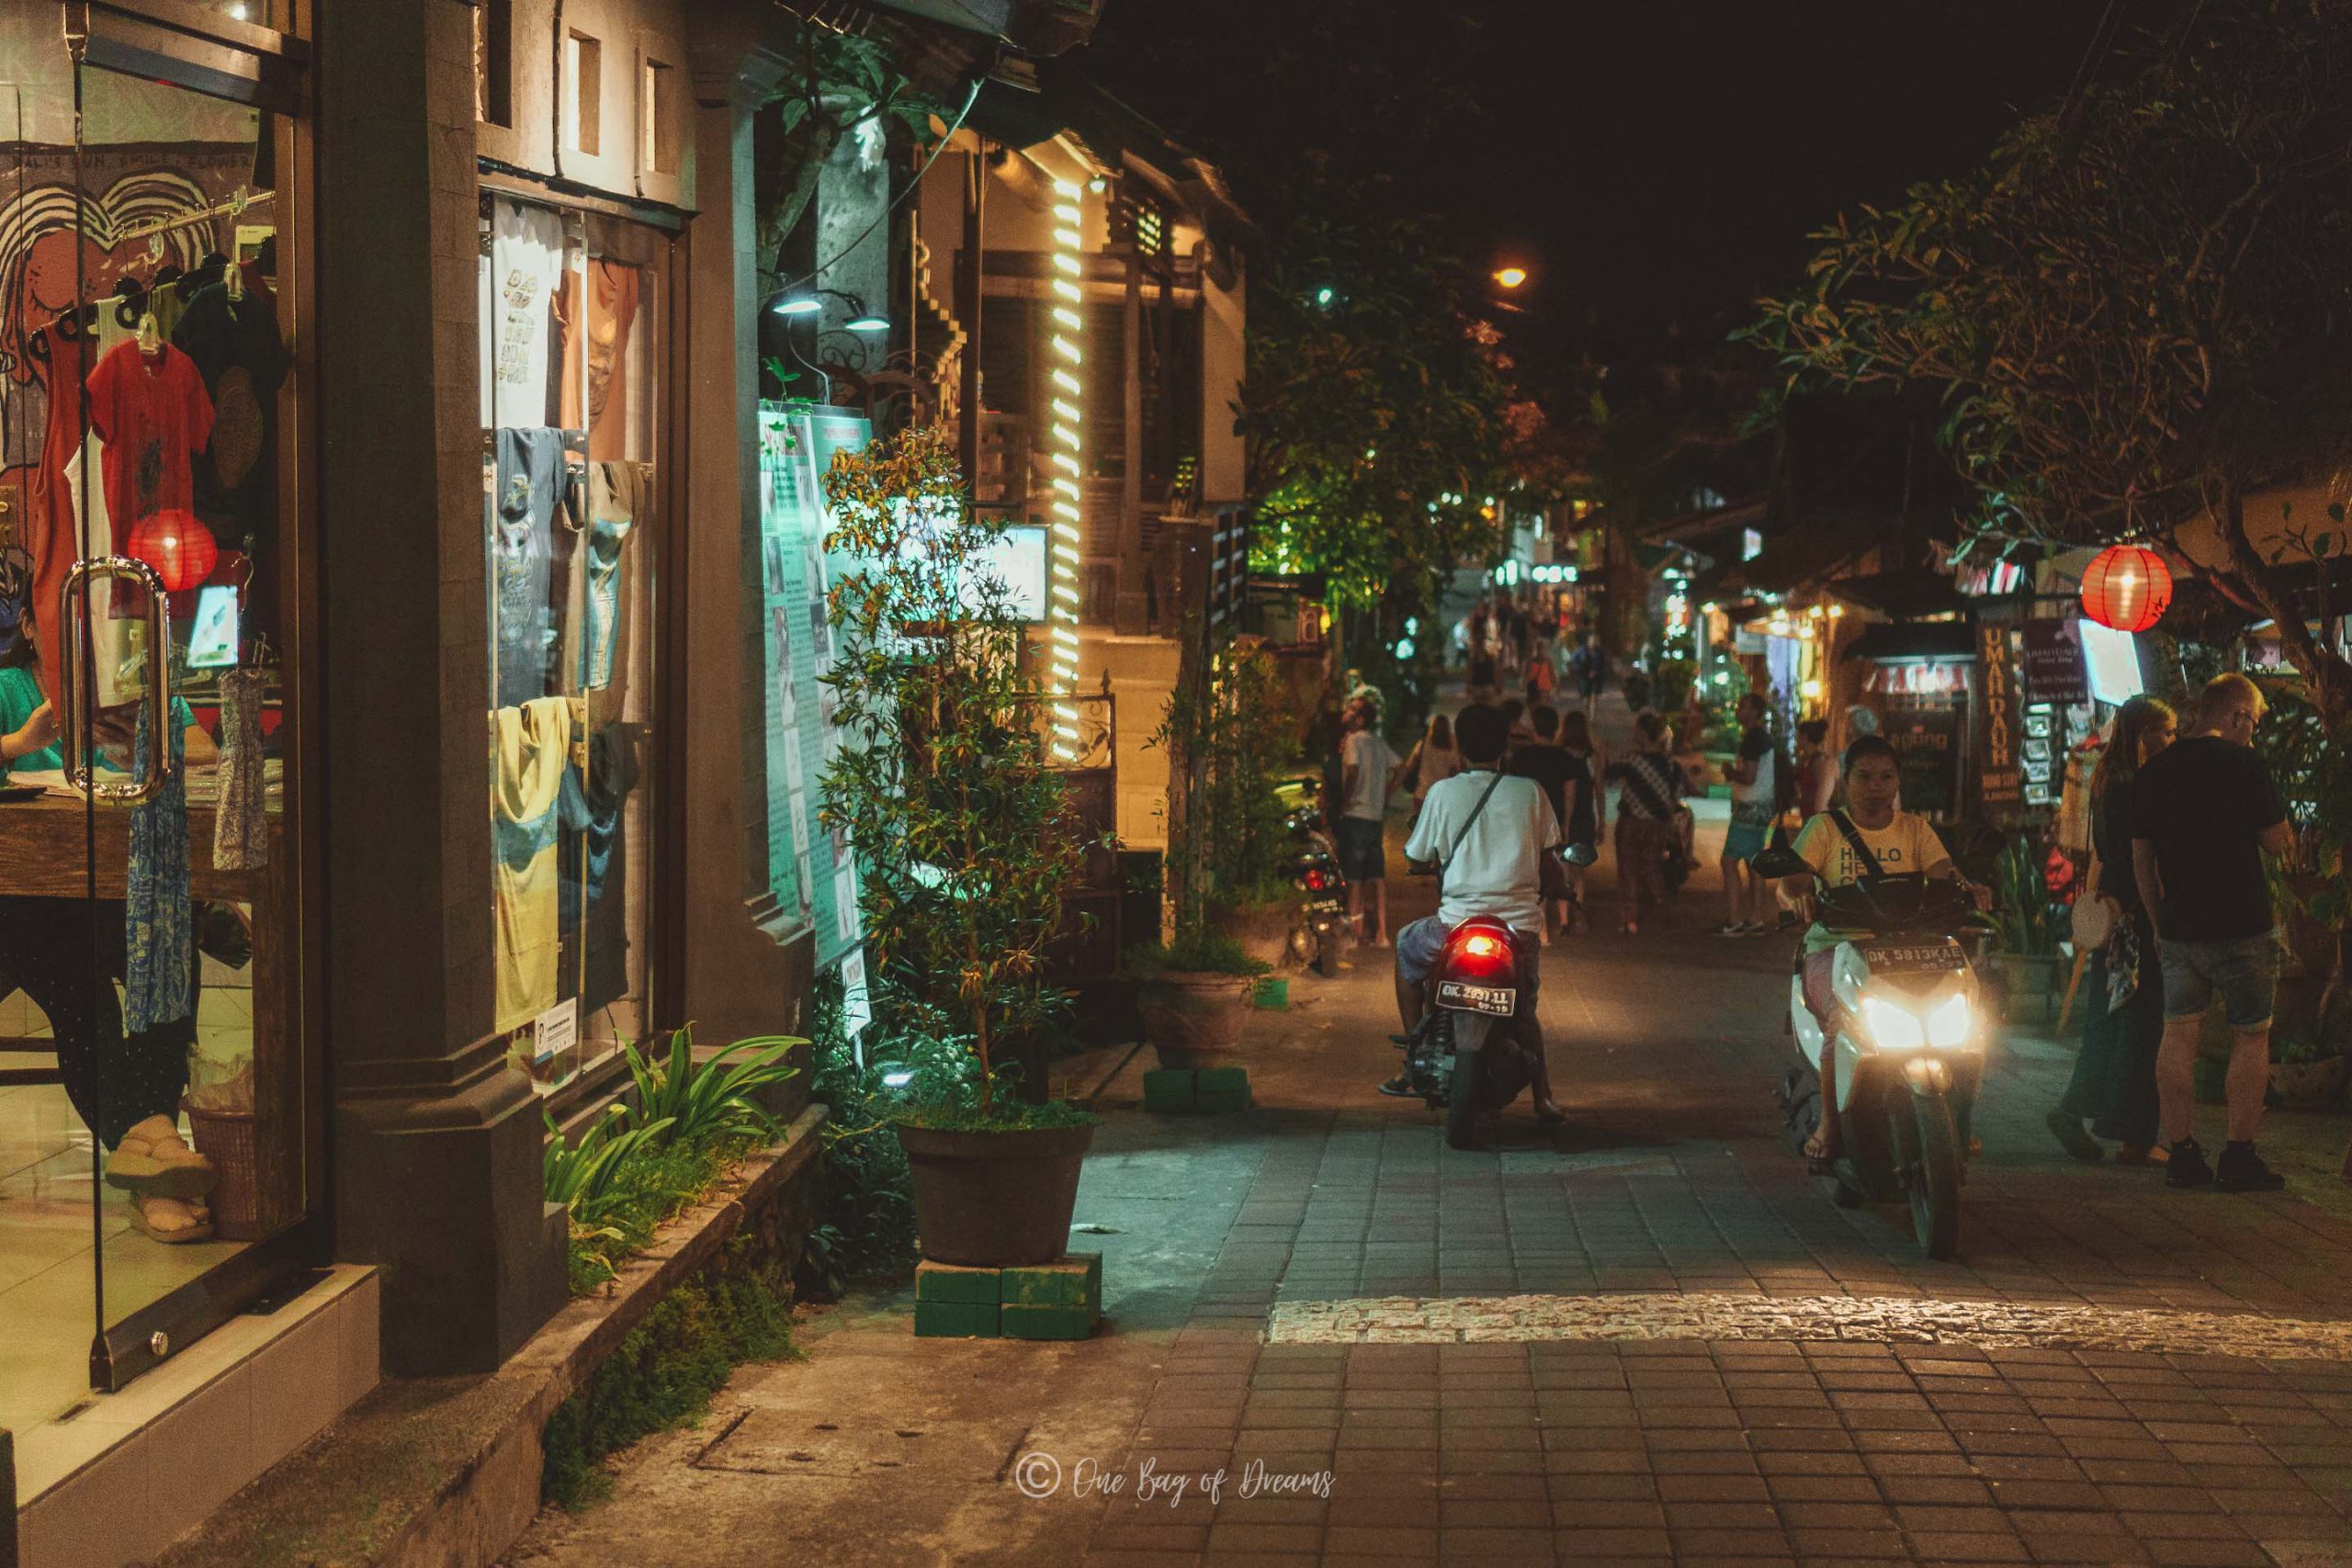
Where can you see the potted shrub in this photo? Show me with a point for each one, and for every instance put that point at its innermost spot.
(2305, 1073)
(2025, 929)
(945, 785)
(1193, 994)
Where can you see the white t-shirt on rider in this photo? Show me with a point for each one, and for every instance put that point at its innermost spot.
(1496, 869)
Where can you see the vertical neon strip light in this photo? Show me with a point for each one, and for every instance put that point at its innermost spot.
(1066, 428)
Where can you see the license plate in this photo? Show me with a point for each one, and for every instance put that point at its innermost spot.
(1933, 957)
(1499, 1000)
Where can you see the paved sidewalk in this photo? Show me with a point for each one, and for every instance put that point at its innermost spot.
(1706, 1363)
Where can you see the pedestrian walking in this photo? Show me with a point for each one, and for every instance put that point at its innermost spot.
(1646, 807)
(1541, 676)
(1816, 770)
(2204, 813)
(1433, 759)
(1592, 825)
(1755, 803)
(1567, 786)
(1596, 669)
(2114, 1085)
(1368, 769)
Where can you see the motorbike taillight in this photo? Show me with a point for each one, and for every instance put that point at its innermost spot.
(1481, 952)
(1316, 882)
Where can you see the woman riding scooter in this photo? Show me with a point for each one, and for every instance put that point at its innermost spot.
(1902, 844)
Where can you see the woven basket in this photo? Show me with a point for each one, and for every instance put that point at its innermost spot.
(227, 1138)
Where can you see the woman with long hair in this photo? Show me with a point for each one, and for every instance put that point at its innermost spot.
(1591, 811)
(2123, 1019)
(1434, 760)
(1652, 788)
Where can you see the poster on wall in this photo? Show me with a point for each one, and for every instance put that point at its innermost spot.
(811, 873)
(1927, 747)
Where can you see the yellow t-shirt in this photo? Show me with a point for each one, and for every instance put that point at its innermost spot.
(1905, 847)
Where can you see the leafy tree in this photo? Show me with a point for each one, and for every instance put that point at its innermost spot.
(838, 83)
(1376, 413)
(2136, 310)
(941, 780)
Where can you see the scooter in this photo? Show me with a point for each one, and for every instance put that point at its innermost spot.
(1474, 1049)
(1319, 925)
(1909, 1041)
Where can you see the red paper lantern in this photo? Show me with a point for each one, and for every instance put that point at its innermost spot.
(2127, 587)
(177, 546)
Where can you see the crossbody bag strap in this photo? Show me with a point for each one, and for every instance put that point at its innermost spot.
(1853, 837)
(1456, 848)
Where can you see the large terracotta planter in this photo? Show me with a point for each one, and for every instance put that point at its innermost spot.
(2309, 1084)
(995, 1200)
(1264, 933)
(1194, 1017)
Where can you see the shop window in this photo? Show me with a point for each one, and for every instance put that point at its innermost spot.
(583, 82)
(573, 454)
(657, 117)
(494, 61)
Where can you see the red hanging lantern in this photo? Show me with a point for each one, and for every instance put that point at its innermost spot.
(177, 546)
(2127, 587)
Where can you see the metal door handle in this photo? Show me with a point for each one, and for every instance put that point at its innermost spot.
(77, 709)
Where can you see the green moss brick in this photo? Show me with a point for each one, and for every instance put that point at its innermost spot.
(947, 1282)
(1074, 1281)
(956, 1320)
(1168, 1088)
(1272, 995)
(1221, 1080)
(1050, 1322)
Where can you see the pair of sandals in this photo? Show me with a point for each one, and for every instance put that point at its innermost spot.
(167, 1180)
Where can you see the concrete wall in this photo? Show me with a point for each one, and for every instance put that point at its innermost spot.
(631, 36)
(1224, 360)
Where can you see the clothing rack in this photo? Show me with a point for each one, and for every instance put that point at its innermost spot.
(234, 207)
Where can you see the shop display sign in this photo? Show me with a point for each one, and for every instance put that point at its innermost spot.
(2040, 771)
(1926, 748)
(2054, 672)
(556, 1031)
(1999, 783)
(811, 872)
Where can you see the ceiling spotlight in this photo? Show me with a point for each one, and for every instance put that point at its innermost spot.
(797, 305)
(867, 321)
(1512, 277)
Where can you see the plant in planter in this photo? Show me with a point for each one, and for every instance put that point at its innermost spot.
(2026, 925)
(2305, 1073)
(1227, 734)
(943, 784)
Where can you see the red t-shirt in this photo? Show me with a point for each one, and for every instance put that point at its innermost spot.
(155, 416)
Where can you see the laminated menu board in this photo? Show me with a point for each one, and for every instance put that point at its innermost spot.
(812, 875)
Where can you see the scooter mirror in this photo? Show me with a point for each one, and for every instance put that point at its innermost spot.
(1780, 861)
(1579, 854)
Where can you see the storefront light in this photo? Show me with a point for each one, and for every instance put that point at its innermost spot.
(1810, 690)
(1066, 326)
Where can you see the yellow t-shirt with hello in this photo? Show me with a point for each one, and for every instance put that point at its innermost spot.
(1905, 847)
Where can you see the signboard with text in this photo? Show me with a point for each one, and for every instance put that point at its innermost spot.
(812, 875)
(2054, 672)
(1999, 781)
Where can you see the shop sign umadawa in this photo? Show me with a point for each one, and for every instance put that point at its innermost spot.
(1999, 783)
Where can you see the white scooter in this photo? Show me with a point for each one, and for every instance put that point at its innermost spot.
(1908, 1036)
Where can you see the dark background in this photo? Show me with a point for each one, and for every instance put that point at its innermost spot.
(1657, 165)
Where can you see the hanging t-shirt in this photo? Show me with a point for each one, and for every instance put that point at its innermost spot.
(531, 754)
(526, 269)
(529, 490)
(616, 494)
(50, 533)
(234, 346)
(155, 416)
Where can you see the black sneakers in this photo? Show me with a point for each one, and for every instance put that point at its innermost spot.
(2242, 1170)
(2188, 1167)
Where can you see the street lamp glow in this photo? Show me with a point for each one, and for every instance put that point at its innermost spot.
(1510, 277)
(797, 305)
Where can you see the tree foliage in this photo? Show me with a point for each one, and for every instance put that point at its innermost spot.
(837, 82)
(2137, 308)
(1374, 409)
(941, 781)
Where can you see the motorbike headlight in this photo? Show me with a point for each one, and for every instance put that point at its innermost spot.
(1948, 1025)
(1892, 1028)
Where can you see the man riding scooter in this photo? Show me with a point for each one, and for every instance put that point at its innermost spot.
(1485, 833)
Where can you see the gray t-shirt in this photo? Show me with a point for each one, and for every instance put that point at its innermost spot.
(1370, 760)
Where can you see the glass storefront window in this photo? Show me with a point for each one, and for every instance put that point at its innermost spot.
(572, 312)
(154, 1100)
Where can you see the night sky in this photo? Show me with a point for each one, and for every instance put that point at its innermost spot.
(1653, 162)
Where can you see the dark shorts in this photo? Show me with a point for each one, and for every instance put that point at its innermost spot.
(1363, 856)
(2245, 971)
